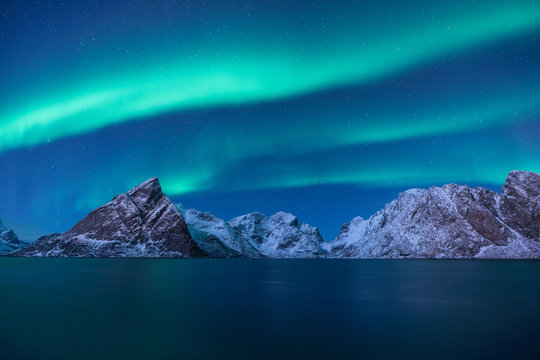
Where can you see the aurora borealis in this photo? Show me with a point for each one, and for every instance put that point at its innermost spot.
(325, 109)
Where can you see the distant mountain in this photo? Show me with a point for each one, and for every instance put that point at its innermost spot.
(8, 240)
(254, 235)
(215, 236)
(452, 221)
(140, 223)
(279, 236)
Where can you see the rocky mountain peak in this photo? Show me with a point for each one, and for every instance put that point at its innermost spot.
(7, 235)
(253, 217)
(146, 195)
(8, 239)
(521, 186)
(141, 222)
(520, 203)
(284, 218)
(526, 180)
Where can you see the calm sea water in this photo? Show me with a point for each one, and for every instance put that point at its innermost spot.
(270, 309)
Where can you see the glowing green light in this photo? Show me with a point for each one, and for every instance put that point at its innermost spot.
(254, 74)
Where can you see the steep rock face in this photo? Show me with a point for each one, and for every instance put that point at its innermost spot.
(520, 203)
(140, 223)
(279, 235)
(451, 221)
(214, 236)
(8, 240)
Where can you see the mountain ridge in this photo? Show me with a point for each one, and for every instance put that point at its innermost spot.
(450, 221)
(9, 240)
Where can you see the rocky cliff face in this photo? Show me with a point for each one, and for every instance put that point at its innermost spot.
(8, 240)
(215, 236)
(140, 223)
(451, 221)
(520, 203)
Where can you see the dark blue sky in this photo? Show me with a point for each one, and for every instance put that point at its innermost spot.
(324, 109)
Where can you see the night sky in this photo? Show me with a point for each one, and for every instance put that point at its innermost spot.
(326, 109)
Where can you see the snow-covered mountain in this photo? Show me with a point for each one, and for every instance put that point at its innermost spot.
(140, 223)
(452, 221)
(279, 236)
(254, 235)
(8, 240)
(215, 236)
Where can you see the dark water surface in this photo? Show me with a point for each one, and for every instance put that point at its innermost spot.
(253, 309)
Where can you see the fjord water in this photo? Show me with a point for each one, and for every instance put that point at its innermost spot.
(252, 309)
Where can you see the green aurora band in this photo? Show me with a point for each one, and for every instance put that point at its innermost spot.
(305, 148)
(264, 75)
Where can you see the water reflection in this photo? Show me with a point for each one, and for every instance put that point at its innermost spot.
(143, 308)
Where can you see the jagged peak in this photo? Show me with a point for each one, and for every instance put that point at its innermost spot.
(9, 237)
(255, 216)
(453, 187)
(523, 173)
(282, 217)
(357, 220)
(522, 178)
(151, 184)
(204, 215)
(521, 184)
(147, 194)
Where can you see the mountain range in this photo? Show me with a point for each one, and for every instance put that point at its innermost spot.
(451, 221)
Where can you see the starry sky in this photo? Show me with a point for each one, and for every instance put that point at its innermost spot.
(326, 109)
